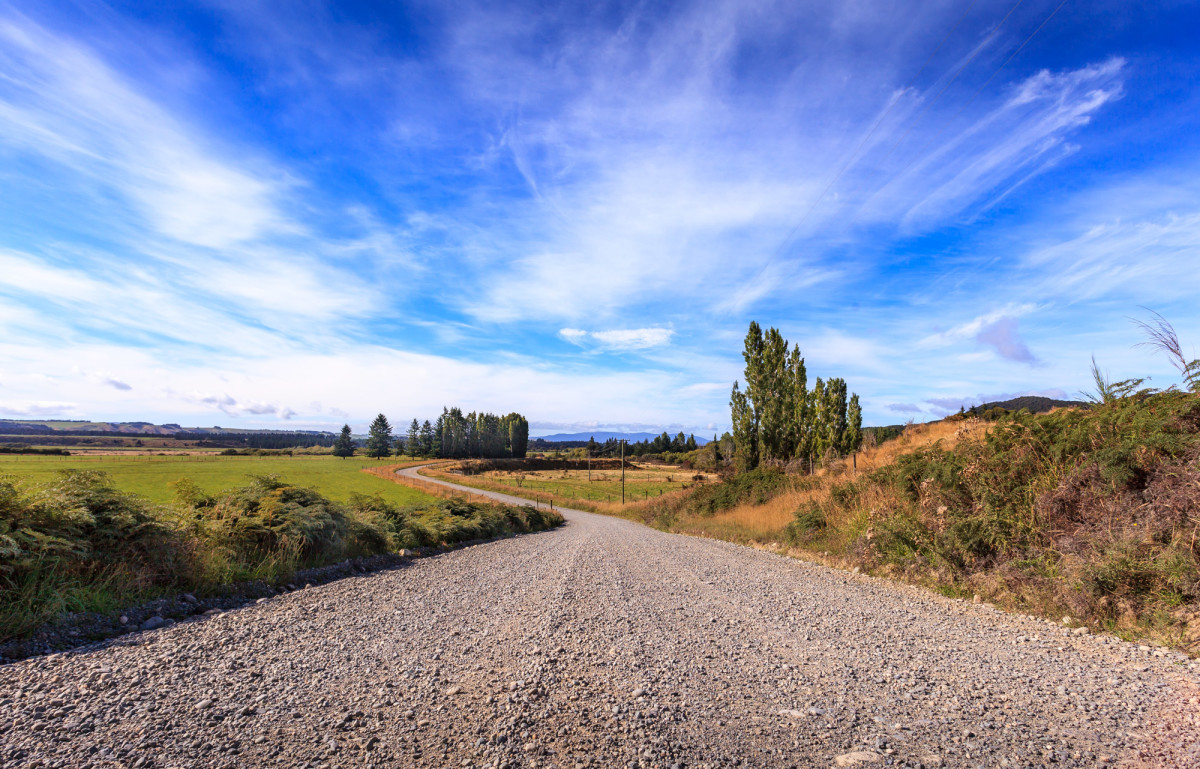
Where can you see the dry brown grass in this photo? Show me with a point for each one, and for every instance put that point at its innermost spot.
(765, 523)
(949, 432)
(388, 473)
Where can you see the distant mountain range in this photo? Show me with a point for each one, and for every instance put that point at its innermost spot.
(64, 426)
(602, 436)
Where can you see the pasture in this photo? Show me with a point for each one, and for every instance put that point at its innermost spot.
(152, 476)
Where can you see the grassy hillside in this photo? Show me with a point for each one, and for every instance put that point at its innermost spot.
(1092, 514)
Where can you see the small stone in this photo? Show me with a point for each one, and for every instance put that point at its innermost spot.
(454, 690)
(189, 598)
(1066, 620)
(153, 622)
(857, 758)
(815, 711)
(977, 599)
(639, 692)
(124, 620)
(204, 704)
(1080, 631)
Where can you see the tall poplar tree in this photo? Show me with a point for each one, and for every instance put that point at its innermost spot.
(777, 418)
(379, 438)
(745, 433)
(852, 438)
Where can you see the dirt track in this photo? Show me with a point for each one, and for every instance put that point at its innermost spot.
(600, 644)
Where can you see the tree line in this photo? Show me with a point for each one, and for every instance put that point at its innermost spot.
(778, 418)
(658, 445)
(257, 440)
(454, 435)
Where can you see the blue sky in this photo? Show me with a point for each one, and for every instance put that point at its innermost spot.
(299, 214)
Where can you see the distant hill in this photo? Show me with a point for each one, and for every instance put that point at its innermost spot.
(82, 427)
(601, 437)
(1035, 404)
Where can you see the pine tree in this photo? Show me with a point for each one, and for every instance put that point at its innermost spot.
(691, 443)
(379, 438)
(412, 441)
(427, 439)
(344, 446)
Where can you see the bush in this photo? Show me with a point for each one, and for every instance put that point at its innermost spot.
(753, 487)
(79, 544)
(1102, 500)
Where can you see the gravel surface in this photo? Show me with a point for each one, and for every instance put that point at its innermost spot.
(604, 644)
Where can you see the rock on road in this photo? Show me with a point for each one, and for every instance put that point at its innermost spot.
(603, 644)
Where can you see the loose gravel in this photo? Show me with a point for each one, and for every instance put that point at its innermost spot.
(604, 644)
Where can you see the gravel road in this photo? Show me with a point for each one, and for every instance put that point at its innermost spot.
(604, 644)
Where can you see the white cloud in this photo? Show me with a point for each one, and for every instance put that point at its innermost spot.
(573, 335)
(972, 328)
(624, 339)
(634, 338)
(62, 101)
(35, 409)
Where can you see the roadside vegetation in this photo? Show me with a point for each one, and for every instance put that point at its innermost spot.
(78, 542)
(1090, 512)
(1087, 513)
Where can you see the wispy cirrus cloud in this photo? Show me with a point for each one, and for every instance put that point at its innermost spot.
(63, 102)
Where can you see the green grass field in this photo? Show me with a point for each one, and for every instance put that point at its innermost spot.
(151, 476)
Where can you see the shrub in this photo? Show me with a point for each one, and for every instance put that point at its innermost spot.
(77, 543)
(1102, 499)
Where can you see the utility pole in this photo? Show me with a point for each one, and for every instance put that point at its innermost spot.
(622, 471)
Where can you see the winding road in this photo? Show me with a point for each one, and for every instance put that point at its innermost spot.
(604, 644)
